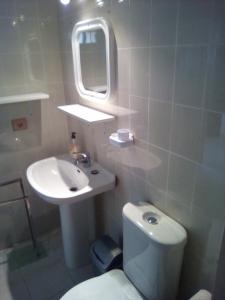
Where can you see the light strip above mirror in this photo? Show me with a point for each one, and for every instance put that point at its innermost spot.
(86, 114)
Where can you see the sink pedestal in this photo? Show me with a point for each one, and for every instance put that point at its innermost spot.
(78, 230)
(58, 181)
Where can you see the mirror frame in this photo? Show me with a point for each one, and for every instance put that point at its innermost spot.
(98, 23)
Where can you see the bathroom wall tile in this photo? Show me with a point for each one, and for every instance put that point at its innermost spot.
(190, 75)
(68, 68)
(19, 149)
(122, 189)
(49, 28)
(123, 103)
(7, 8)
(12, 66)
(156, 174)
(144, 171)
(30, 38)
(159, 123)
(218, 290)
(139, 72)
(218, 23)
(10, 35)
(210, 193)
(139, 120)
(65, 29)
(139, 23)
(120, 18)
(196, 273)
(215, 90)
(137, 190)
(47, 9)
(27, 8)
(82, 6)
(178, 211)
(194, 21)
(163, 33)
(136, 161)
(204, 238)
(156, 196)
(123, 66)
(9, 192)
(34, 72)
(214, 142)
(12, 90)
(20, 228)
(53, 67)
(7, 227)
(181, 180)
(161, 72)
(4, 119)
(187, 135)
(107, 206)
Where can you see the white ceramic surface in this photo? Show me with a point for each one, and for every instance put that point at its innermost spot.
(53, 177)
(152, 258)
(86, 114)
(23, 98)
(152, 253)
(113, 285)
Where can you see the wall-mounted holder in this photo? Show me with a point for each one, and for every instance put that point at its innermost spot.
(117, 140)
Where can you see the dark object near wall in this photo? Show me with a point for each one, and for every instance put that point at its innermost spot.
(106, 255)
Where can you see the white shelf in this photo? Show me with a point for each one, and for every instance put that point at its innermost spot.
(23, 98)
(86, 114)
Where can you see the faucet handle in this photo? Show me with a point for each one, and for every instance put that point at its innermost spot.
(85, 159)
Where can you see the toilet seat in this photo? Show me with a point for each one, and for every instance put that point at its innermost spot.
(113, 285)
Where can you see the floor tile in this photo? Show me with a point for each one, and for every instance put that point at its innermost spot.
(45, 281)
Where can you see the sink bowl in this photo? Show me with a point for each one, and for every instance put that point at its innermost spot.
(57, 180)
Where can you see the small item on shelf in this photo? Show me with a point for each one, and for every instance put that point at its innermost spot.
(123, 134)
(115, 139)
(74, 148)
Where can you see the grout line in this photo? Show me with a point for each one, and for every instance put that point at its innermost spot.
(177, 104)
(149, 76)
(172, 45)
(203, 103)
(173, 101)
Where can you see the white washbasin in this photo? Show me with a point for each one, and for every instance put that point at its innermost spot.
(57, 180)
(52, 179)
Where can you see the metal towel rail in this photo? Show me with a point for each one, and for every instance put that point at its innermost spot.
(27, 208)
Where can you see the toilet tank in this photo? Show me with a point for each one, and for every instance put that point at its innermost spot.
(153, 247)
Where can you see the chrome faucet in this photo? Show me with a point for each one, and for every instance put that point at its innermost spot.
(83, 158)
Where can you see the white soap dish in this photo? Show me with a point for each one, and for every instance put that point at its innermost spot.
(116, 141)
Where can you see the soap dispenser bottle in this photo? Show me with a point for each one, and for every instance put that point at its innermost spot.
(74, 148)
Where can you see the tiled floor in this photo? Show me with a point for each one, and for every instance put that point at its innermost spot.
(45, 279)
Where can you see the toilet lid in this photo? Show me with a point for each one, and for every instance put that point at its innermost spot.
(113, 285)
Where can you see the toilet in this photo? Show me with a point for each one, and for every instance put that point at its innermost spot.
(153, 247)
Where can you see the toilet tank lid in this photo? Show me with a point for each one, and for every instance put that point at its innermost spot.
(158, 226)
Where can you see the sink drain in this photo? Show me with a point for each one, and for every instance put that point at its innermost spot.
(73, 189)
(94, 172)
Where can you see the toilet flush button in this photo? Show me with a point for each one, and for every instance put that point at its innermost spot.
(151, 218)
